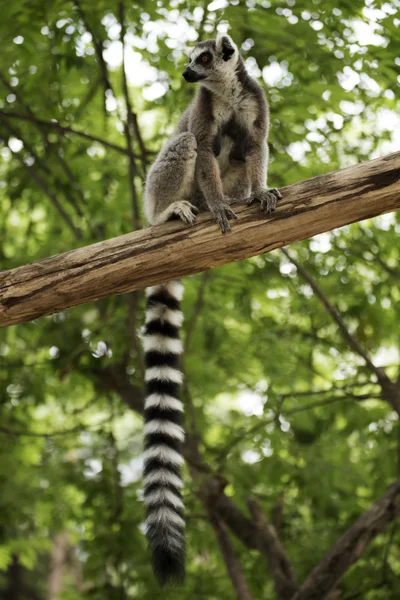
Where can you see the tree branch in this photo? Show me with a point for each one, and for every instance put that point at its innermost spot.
(133, 304)
(115, 378)
(129, 124)
(333, 311)
(390, 389)
(98, 46)
(42, 165)
(63, 129)
(143, 150)
(277, 559)
(41, 183)
(324, 578)
(233, 566)
(75, 187)
(262, 422)
(196, 311)
(348, 549)
(172, 250)
(77, 429)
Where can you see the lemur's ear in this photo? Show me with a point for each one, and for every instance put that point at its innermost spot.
(225, 46)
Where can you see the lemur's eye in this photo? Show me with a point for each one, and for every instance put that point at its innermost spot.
(204, 58)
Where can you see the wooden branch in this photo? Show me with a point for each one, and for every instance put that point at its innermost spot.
(173, 250)
(233, 566)
(65, 129)
(348, 549)
(277, 558)
(322, 582)
(59, 559)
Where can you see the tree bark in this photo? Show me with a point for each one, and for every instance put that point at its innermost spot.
(57, 567)
(233, 565)
(277, 558)
(173, 250)
(348, 549)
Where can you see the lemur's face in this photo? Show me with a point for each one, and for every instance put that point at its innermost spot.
(212, 60)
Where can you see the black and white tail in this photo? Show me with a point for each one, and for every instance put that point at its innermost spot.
(163, 432)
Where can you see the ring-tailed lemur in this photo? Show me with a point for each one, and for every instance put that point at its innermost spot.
(217, 155)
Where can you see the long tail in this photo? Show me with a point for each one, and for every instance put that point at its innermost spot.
(163, 433)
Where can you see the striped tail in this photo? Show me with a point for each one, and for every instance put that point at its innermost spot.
(163, 432)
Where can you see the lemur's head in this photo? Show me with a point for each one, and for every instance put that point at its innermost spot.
(212, 61)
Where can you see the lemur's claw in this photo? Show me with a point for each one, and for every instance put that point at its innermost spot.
(267, 197)
(222, 215)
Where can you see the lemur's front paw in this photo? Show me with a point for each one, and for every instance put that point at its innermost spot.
(222, 213)
(185, 211)
(267, 197)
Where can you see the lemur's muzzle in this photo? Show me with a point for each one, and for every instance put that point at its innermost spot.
(191, 76)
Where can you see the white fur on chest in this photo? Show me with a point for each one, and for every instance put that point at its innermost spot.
(238, 104)
(246, 111)
(222, 111)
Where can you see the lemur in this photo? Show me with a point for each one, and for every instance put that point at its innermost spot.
(217, 155)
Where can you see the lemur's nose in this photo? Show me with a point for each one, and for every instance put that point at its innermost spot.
(189, 75)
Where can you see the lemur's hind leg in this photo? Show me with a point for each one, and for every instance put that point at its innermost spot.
(170, 181)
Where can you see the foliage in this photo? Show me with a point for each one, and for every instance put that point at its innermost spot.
(281, 399)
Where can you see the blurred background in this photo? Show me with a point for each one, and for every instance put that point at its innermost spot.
(285, 398)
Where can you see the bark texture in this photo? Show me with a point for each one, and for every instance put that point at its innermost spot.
(173, 250)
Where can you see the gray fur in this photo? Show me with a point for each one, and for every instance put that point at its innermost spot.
(218, 153)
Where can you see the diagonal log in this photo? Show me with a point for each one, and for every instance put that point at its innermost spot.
(348, 549)
(172, 250)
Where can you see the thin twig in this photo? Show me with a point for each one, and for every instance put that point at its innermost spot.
(64, 129)
(128, 124)
(190, 408)
(142, 147)
(333, 311)
(386, 552)
(78, 428)
(75, 187)
(55, 151)
(41, 183)
(133, 299)
(42, 165)
(360, 594)
(196, 311)
(98, 46)
(298, 409)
